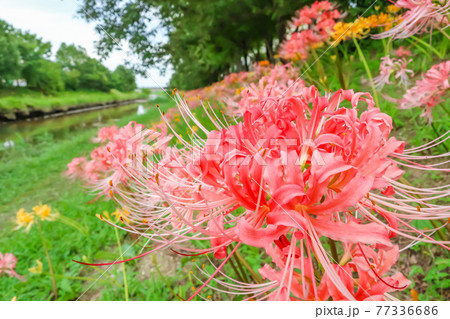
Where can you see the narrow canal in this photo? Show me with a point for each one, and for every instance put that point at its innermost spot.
(60, 127)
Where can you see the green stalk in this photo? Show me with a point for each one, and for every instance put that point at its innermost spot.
(444, 33)
(163, 278)
(79, 278)
(445, 109)
(334, 253)
(254, 275)
(124, 273)
(238, 274)
(244, 275)
(338, 63)
(430, 47)
(385, 46)
(369, 74)
(320, 68)
(50, 267)
(438, 135)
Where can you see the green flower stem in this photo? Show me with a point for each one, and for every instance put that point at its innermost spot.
(236, 271)
(338, 63)
(438, 135)
(334, 253)
(369, 74)
(164, 278)
(124, 273)
(320, 69)
(44, 244)
(386, 46)
(427, 45)
(445, 109)
(444, 33)
(254, 275)
(245, 277)
(80, 278)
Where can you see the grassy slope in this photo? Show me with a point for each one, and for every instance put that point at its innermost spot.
(23, 98)
(32, 173)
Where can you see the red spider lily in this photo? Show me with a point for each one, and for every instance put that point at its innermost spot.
(105, 166)
(430, 91)
(389, 66)
(7, 264)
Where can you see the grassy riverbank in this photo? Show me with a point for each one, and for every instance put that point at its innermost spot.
(22, 98)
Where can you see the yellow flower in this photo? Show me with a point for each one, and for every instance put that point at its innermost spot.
(384, 19)
(43, 211)
(37, 269)
(373, 20)
(195, 128)
(24, 219)
(392, 8)
(239, 90)
(121, 213)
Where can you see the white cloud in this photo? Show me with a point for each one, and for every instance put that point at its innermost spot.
(55, 21)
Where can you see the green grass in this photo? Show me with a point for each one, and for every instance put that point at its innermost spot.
(23, 98)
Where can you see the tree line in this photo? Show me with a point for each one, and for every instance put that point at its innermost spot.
(203, 40)
(24, 57)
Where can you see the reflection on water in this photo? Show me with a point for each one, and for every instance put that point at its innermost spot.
(60, 127)
(8, 144)
(141, 110)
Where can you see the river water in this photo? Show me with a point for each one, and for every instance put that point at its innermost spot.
(61, 126)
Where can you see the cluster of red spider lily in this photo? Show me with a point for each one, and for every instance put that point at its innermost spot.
(244, 85)
(296, 170)
(312, 27)
(7, 265)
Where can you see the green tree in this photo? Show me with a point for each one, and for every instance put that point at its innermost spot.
(81, 71)
(9, 55)
(43, 75)
(206, 39)
(123, 79)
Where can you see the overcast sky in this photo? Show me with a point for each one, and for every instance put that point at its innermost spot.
(55, 22)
